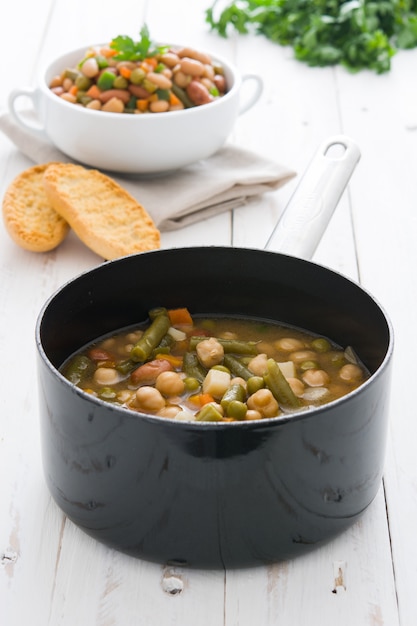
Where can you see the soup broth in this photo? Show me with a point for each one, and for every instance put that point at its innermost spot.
(212, 369)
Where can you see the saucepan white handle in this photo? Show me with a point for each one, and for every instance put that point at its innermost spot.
(305, 219)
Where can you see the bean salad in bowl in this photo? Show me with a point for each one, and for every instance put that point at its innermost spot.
(119, 90)
(141, 77)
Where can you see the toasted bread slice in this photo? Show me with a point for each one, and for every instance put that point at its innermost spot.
(28, 214)
(103, 214)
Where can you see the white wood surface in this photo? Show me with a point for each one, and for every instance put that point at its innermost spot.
(51, 573)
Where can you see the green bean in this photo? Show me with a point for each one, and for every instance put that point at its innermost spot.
(181, 95)
(209, 413)
(279, 386)
(236, 367)
(234, 346)
(192, 367)
(151, 338)
(234, 393)
(159, 310)
(126, 366)
(79, 368)
(164, 346)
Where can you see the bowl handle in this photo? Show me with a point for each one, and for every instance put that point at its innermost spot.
(254, 97)
(26, 119)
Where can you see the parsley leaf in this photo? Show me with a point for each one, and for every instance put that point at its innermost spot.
(130, 50)
(359, 34)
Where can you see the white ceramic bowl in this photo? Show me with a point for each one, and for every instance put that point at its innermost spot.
(138, 144)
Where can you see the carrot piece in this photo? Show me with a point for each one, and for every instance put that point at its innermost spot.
(73, 90)
(205, 398)
(176, 361)
(94, 92)
(200, 399)
(125, 72)
(173, 100)
(142, 104)
(180, 316)
(151, 61)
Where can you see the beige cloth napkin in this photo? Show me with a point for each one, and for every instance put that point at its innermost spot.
(222, 182)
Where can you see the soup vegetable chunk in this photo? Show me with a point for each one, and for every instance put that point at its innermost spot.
(141, 77)
(214, 369)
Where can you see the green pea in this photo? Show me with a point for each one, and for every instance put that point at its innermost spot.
(120, 82)
(137, 75)
(148, 85)
(83, 82)
(221, 368)
(321, 344)
(237, 410)
(308, 365)
(71, 73)
(191, 384)
(338, 359)
(254, 383)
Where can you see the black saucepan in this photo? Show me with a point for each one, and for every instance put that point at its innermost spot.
(216, 494)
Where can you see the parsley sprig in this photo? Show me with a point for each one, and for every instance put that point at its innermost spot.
(130, 50)
(358, 34)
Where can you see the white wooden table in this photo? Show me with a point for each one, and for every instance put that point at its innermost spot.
(51, 573)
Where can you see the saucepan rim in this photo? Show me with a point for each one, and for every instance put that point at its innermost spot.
(298, 415)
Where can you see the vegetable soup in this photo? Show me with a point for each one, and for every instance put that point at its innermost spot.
(213, 369)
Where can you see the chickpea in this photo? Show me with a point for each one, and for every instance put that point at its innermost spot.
(289, 344)
(170, 384)
(176, 107)
(192, 67)
(114, 105)
(95, 105)
(161, 81)
(159, 106)
(302, 355)
(257, 365)
(170, 411)
(316, 378)
(297, 386)
(208, 84)
(124, 396)
(191, 53)
(108, 344)
(106, 376)
(56, 82)
(209, 72)
(251, 414)
(351, 373)
(149, 400)
(170, 59)
(67, 83)
(237, 380)
(210, 352)
(181, 79)
(228, 334)
(134, 336)
(264, 402)
(69, 97)
(90, 68)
